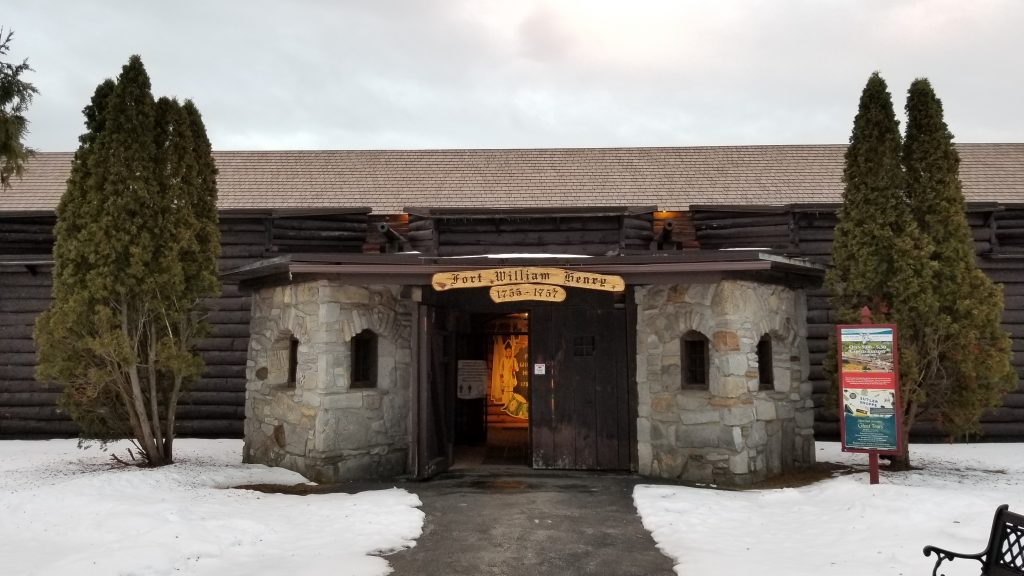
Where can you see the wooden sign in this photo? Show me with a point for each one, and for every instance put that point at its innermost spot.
(527, 275)
(520, 292)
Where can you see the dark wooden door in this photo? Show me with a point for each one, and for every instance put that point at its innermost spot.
(434, 395)
(579, 406)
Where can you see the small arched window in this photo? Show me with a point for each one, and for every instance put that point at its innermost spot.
(364, 360)
(283, 365)
(696, 362)
(293, 361)
(765, 370)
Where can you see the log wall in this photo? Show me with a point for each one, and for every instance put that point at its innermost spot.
(807, 231)
(215, 406)
(443, 235)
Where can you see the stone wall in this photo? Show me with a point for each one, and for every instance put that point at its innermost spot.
(318, 425)
(731, 433)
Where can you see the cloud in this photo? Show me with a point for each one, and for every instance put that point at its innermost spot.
(490, 73)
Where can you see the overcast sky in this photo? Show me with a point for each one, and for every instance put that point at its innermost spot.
(515, 73)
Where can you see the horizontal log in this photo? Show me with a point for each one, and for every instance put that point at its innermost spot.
(24, 305)
(15, 332)
(322, 225)
(256, 238)
(227, 428)
(218, 358)
(825, 431)
(529, 238)
(230, 371)
(740, 224)
(227, 226)
(18, 358)
(208, 412)
(48, 398)
(234, 303)
(32, 413)
(24, 278)
(47, 428)
(1003, 414)
(230, 331)
(10, 293)
(1014, 400)
(15, 345)
(815, 248)
(28, 386)
(416, 224)
(228, 316)
(17, 372)
(222, 344)
(631, 224)
(26, 237)
(565, 224)
(644, 236)
(242, 251)
(705, 215)
(417, 235)
(591, 250)
(215, 398)
(7, 225)
(317, 235)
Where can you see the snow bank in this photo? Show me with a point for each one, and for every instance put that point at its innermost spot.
(68, 511)
(841, 526)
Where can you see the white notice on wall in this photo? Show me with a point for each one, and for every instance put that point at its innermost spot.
(472, 379)
(539, 369)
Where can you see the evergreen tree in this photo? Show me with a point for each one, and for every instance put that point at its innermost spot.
(15, 96)
(972, 354)
(135, 252)
(880, 258)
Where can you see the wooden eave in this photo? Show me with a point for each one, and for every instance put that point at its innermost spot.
(411, 269)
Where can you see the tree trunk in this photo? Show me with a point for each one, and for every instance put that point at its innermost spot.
(144, 432)
(901, 461)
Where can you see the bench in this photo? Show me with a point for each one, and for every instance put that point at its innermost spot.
(1004, 555)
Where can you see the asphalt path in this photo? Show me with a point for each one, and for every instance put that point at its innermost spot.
(511, 522)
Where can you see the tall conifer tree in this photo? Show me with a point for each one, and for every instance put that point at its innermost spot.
(972, 354)
(15, 96)
(135, 252)
(880, 258)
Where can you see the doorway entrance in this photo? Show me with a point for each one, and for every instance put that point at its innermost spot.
(552, 383)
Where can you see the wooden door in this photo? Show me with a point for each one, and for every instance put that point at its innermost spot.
(579, 406)
(432, 393)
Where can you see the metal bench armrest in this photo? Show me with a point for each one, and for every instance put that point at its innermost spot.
(942, 555)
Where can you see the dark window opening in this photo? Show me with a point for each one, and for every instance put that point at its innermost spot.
(696, 362)
(765, 372)
(364, 360)
(293, 360)
(583, 346)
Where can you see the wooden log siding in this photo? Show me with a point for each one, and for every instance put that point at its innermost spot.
(998, 241)
(215, 406)
(452, 235)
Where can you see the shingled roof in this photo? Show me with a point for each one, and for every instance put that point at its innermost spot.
(669, 178)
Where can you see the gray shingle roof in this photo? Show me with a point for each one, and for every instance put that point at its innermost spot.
(669, 178)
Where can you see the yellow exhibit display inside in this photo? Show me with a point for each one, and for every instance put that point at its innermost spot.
(526, 275)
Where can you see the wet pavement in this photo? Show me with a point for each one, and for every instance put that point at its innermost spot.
(517, 521)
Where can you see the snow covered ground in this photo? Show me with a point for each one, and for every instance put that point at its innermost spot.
(69, 511)
(842, 526)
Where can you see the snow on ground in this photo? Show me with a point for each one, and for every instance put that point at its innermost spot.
(69, 511)
(843, 525)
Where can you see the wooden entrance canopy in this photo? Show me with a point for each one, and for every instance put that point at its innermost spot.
(414, 269)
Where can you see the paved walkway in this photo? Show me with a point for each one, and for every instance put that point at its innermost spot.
(517, 521)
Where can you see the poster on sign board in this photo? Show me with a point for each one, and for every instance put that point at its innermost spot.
(869, 390)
